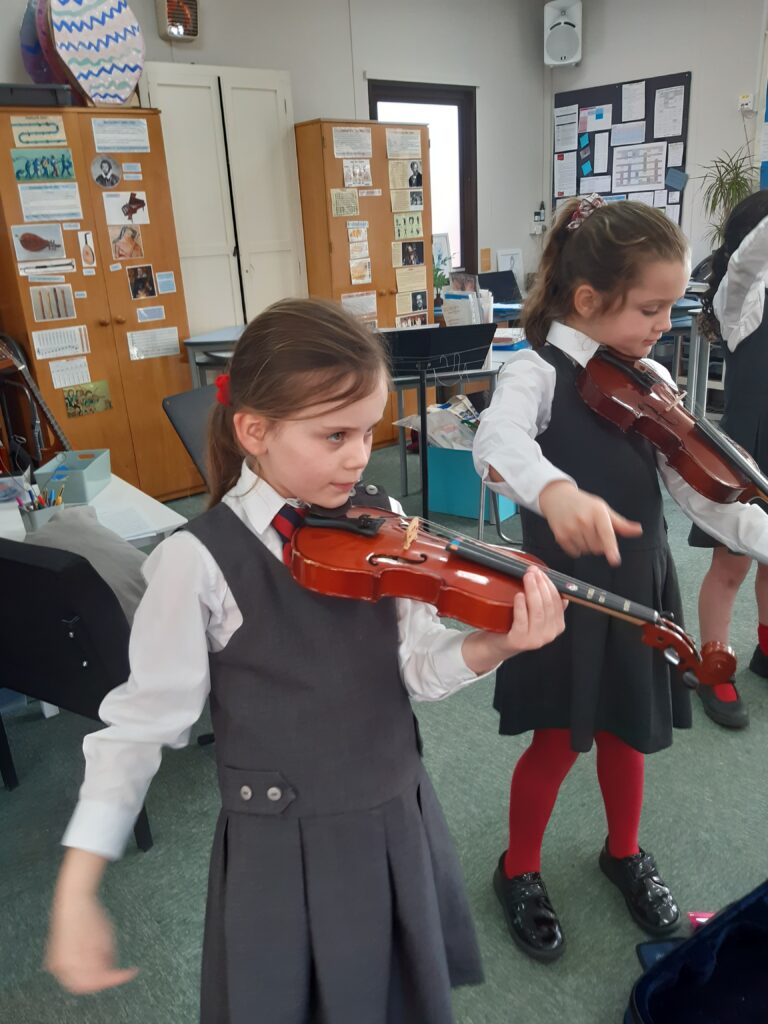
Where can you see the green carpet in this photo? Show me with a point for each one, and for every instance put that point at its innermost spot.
(705, 819)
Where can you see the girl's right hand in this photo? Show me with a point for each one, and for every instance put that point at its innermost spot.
(81, 947)
(583, 523)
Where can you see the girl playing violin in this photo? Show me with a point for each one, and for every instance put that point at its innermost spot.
(734, 311)
(592, 508)
(335, 893)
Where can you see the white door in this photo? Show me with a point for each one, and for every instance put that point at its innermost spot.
(262, 158)
(189, 99)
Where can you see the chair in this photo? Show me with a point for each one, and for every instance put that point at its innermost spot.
(66, 639)
(188, 413)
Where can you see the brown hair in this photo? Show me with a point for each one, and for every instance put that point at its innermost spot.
(607, 251)
(295, 354)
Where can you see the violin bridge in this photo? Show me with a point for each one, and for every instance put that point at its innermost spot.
(410, 533)
(677, 400)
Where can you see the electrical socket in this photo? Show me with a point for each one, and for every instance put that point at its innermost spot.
(746, 102)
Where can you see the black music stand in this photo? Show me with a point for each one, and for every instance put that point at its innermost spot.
(444, 351)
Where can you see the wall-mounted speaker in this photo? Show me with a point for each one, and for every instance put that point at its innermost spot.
(562, 32)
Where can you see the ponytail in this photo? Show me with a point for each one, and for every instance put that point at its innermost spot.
(224, 458)
(605, 249)
(546, 301)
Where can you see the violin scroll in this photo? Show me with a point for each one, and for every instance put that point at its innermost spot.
(716, 664)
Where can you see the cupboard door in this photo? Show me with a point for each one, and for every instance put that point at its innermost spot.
(258, 120)
(193, 132)
(22, 310)
(149, 322)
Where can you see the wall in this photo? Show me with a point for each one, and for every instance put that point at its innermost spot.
(720, 43)
(328, 46)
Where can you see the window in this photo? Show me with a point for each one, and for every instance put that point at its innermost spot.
(450, 113)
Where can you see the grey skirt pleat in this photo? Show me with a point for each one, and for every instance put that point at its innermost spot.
(598, 675)
(355, 918)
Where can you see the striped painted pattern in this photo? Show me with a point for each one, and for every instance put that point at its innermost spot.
(102, 45)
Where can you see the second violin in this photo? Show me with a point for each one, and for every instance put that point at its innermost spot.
(632, 395)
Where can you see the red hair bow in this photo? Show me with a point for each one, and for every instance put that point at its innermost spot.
(222, 389)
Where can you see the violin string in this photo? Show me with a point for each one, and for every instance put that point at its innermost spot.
(506, 557)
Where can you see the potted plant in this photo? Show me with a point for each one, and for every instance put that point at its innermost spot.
(730, 178)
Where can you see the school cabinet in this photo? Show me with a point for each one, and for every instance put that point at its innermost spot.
(321, 158)
(91, 284)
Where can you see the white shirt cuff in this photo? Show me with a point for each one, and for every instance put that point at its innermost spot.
(100, 827)
(448, 664)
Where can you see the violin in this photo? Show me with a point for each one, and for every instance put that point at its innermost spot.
(634, 397)
(369, 554)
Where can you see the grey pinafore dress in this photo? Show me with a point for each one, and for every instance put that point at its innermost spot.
(335, 893)
(598, 675)
(745, 417)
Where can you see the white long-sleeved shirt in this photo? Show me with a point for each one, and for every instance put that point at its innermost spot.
(740, 296)
(188, 611)
(521, 410)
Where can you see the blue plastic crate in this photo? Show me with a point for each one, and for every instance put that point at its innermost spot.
(454, 486)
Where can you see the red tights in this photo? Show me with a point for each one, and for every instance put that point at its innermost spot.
(537, 779)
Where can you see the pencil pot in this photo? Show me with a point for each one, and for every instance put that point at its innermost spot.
(39, 517)
(82, 475)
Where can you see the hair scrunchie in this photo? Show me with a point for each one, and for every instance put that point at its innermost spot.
(222, 389)
(587, 206)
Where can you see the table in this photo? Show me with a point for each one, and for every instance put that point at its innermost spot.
(211, 349)
(121, 507)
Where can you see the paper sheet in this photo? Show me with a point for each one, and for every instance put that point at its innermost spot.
(566, 128)
(352, 142)
(601, 153)
(596, 183)
(675, 154)
(595, 119)
(639, 168)
(628, 134)
(633, 101)
(61, 341)
(120, 135)
(660, 197)
(344, 202)
(150, 344)
(668, 112)
(127, 523)
(51, 201)
(673, 212)
(565, 174)
(403, 143)
(361, 304)
(411, 279)
(67, 372)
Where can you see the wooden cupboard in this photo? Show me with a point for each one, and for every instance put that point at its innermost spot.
(321, 159)
(135, 319)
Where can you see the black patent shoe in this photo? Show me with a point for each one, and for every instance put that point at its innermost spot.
(759, 663)
(648, 899)
(733, 714)
(530, 917)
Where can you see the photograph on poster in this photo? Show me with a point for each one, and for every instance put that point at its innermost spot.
(141, 280)
(30, 243)
(408, 225)
(106, 171)
(126, 241)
